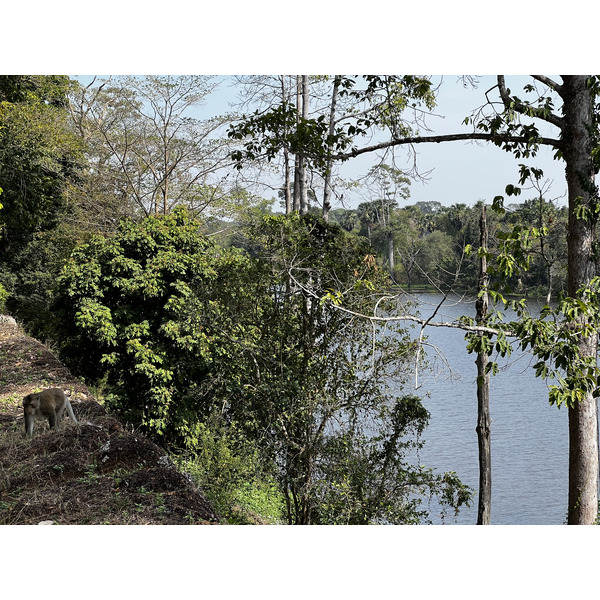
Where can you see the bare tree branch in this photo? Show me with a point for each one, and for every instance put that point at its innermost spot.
(406, 317)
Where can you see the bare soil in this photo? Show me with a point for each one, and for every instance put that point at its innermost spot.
(97, 472)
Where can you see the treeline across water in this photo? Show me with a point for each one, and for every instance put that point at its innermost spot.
(426, 244)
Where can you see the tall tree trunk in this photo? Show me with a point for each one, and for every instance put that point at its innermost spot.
(390, 253)
(165, 196)
(483, 388)
(580, 173)
(286, 158)
(297, 157)
(327, 186)
(303, 91)
(286, 182)
(297, 176)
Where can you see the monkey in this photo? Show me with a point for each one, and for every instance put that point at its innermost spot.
(49, 404)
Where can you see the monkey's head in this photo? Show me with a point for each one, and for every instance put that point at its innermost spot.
(31, 403)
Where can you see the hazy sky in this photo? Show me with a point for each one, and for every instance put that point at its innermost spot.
(469, 171)
(452, 172)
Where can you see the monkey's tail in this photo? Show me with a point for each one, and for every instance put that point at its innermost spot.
(70, 411)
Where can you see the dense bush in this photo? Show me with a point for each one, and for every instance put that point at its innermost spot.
(120, 300)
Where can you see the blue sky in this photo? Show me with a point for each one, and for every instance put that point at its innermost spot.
(467, 171)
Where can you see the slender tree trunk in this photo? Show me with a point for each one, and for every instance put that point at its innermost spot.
(580, 173)
(483, 388)
(390, 253)
(303, 84)
(327, 186)
(286, 159)
(297, 157)
(297, 191)
(286, 182)
(543, 250)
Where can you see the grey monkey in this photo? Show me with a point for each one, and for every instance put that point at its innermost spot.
(49, 404)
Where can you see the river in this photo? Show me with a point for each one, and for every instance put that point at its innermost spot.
(529, 438)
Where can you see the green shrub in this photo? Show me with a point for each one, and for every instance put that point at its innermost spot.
(228, 469)
(3, 297)
(120, 300)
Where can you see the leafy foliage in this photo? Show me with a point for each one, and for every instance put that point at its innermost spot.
(376, 102)
(363, 476)
(3, 297)
(316, 377)
(228, 468)
(38, 153)
(120, 299)
(39, 158)
(32, 277)
(196, 341)
(554, 336)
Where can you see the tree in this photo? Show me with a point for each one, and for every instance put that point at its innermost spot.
(578, 147)
(144, 141)
(40, 159)
(259, 92)
(484, 420)
(302, 110)
(327, 186)
(291, 94)
(314, 379)
(548, 245)
(437, 263)
(408, 242)
(317, 137)
(38, 156)
(391, 185)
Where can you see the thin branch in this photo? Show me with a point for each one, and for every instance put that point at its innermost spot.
(405, 317)
(549, 82)
(521, 107)
(420, 341)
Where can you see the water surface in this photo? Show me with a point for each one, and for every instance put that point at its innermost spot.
(529, 438)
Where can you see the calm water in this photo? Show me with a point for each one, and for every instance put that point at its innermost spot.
(529, 437)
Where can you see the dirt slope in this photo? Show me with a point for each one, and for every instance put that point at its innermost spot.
(97, 473)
